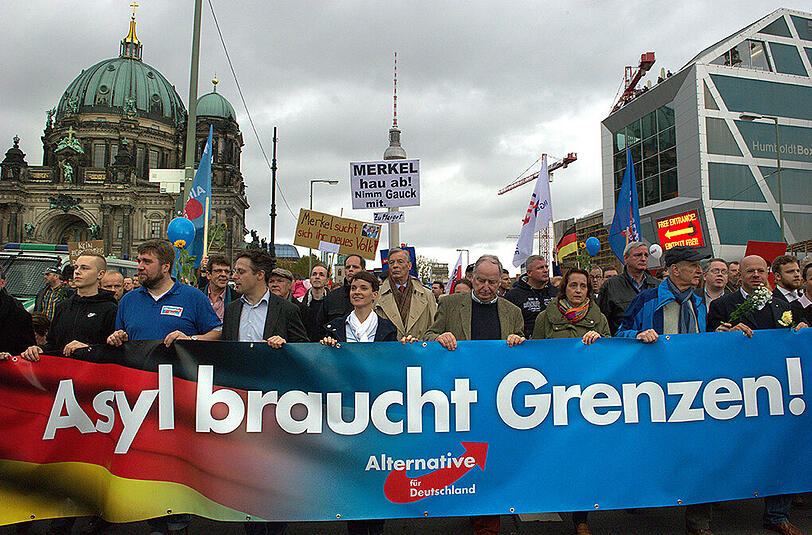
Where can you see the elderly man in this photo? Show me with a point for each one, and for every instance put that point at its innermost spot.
(113, 281)
(596, 277)
(715, 279)
(479, 315)
(617, 292)
(672, 308)
(533, 291)
(403, 300)
(313, 300)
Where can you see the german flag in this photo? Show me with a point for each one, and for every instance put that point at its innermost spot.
(568, 244)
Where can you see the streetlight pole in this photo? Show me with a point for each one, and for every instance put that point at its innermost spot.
(191, 122)
(467, 257)
(314, 181)
(753, 117)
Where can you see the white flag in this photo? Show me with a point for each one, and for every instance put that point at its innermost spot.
(538, 216)
(456, 274)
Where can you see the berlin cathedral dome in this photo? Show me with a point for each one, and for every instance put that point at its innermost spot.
(116, 121)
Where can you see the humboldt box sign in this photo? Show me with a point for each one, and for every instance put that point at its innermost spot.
(317, 230)
(386, 184)
(680, 230)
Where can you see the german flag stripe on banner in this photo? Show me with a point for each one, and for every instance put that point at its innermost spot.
(568, 243)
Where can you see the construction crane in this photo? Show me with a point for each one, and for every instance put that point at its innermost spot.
(632, 78)
(568, 159)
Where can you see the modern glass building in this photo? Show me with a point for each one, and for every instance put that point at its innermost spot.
(703, 142)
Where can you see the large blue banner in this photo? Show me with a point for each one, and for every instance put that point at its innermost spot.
(390, 431)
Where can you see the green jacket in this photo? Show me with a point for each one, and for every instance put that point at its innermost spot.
(552, 324)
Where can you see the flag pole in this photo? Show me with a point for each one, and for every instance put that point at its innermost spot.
(206, 229)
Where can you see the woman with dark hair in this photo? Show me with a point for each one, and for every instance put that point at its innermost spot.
(573, 314)
(362, 325)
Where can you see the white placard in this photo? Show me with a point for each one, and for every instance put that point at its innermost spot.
(390, 217)
(328, 247)
(385, 184)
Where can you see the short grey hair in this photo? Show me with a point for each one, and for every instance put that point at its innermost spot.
(396, 250)
(633, 245)
(493, 259)
(707, 266)
(534, 258)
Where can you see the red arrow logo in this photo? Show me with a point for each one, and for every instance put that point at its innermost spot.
(400, 488)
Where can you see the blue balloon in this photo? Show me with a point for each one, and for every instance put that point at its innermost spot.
(593, 245)
(181, 228)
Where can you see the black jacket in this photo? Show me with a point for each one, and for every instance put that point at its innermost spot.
(616, 294)
(86, 319)
(336, 305)
(531, 301)
(386, 331)
(766, 318)
(16, 331)
(310, 315)
(282, 319)
(801, 314)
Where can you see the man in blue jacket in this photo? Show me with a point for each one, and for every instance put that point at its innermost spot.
(673, 308)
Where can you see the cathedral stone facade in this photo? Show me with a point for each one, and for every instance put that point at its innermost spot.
(117, 120)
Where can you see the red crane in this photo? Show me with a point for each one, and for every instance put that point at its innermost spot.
(632, 78)
(568, 159)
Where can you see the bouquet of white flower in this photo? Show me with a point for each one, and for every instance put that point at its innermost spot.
(754, 301)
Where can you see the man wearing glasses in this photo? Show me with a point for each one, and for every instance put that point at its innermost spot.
(715, 279)
(217, 290)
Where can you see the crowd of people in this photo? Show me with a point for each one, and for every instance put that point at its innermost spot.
(103, 307)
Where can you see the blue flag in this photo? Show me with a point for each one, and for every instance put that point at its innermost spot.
(196, 203)
(626, 223)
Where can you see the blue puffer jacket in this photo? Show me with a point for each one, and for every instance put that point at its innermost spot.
(646, 311)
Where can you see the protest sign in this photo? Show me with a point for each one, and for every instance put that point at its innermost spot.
(390, 217)
(385, 184)
(386, 430)
(76, 248)
(316, 230)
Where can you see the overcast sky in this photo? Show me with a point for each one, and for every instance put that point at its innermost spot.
(483, 89)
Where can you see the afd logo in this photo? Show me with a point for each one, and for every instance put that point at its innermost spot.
(167, 310)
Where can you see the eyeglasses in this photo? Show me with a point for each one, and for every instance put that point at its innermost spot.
(718, 271)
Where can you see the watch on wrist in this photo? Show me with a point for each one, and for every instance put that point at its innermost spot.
(194, 337)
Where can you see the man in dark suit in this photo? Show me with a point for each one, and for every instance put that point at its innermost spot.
(802, 308)
(754, 275)
(260, 315)
(787, 271)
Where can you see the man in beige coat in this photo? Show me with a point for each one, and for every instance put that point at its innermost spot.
(479, 315)
(457, 318)
(403, 300)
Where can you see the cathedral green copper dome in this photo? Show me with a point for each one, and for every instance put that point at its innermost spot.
(215, 105)
(124, 85)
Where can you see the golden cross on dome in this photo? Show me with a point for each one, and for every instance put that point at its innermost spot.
(70, 133)
(133, 5)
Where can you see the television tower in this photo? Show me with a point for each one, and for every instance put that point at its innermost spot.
(394, 152)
